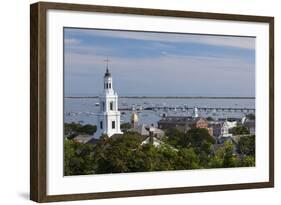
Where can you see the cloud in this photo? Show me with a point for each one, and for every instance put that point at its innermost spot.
(76, 62)
(71, 41)
(185, 75)
(165, 67)
(215, 40)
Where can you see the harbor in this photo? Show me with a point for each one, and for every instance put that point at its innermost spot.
(151, 110)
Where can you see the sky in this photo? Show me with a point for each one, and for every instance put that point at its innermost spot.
(158, 64)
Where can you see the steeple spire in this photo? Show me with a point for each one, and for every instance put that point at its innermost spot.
(107, 60)
(107, 73)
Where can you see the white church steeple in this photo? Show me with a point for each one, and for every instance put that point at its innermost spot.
(108, 82)
(108, 119)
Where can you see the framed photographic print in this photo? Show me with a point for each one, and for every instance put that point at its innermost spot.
(135, 102)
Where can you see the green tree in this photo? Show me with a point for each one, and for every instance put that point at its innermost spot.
(191, 150)
(215, 162)
(166, 157)
(78, 158)
(239, 130)
(199, 137)
(224, 157)
(176, 138)
(187, 159)
(87, 129)
(73, 129)
(118, 155)
(195, 137)
(229, 160)
(127, 154)
(150, 158)
(125, 126)
(248, 161)
(246, 145)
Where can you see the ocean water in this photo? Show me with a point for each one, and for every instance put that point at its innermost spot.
(84, 110)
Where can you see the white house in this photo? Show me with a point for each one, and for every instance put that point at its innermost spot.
(226, 126)
(225, 135)
(108, 119)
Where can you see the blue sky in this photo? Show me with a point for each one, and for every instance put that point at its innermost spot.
(158, 64)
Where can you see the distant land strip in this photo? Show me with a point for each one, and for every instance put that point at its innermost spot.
(166, 97)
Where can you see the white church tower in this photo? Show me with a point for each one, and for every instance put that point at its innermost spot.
(108, 119)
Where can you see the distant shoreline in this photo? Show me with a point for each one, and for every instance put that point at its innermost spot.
(164, 97)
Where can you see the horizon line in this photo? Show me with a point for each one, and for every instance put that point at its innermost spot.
(171, 97)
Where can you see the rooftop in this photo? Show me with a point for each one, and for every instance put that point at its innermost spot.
(176, 119)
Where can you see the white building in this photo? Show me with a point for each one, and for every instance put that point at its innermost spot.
(225, 135)
(227, 126)
(195, 112)
(108, 119)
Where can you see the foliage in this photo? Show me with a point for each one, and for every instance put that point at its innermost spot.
(125, 126)
(118, 155)
(199, 137)
(73, 129)
(239, 130)
(246, 145)
(215, 162)
(78, 158)
(196, 137)
(229, 159)
(251, 116)
(180, 151)
(248, 161)
(88, 129)
(176, 138)
(187, 159)
(224, 157)
(126, 154)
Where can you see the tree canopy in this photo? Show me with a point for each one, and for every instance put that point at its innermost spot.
(246, 145)
(78, 158)
(73, 129)
(239, 130)
(180, 151)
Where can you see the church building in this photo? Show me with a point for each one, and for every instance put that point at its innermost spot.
(108, 118)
